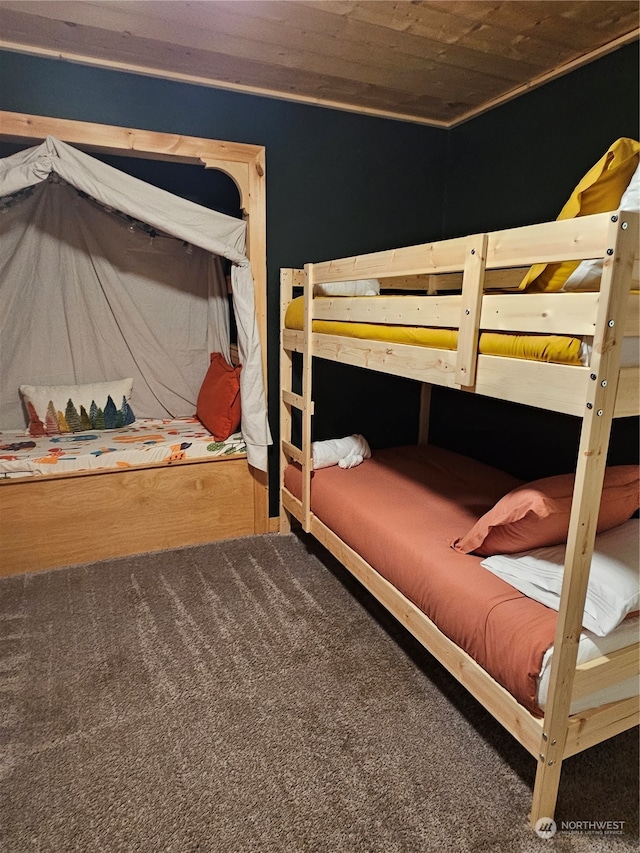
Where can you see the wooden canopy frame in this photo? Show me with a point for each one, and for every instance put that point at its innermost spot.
(245, 164)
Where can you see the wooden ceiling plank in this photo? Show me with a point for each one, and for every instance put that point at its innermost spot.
(380, 104)
(329, 35)
(364, 28)
(396, 61)
(556, 23)
(440, 61)
(472, 31)
(138, 54)
(124, 47)
(167, 20)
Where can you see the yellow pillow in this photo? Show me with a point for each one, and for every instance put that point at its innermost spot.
(599, 191)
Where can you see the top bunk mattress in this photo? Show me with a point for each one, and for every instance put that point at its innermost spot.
(145, 442)
(401, 510)
(556, 349)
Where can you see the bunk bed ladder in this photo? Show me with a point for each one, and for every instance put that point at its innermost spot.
(290, 278)
(594, 440)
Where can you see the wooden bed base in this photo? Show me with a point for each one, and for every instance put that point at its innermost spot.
(596, 394)
(62, 519)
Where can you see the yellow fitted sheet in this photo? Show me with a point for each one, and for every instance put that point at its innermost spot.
(561, 349)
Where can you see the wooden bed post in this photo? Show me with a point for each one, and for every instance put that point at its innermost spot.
(307, 403)
(592, 458)
(286, 392)
(290, 278)
(249, 177)
(425, 413)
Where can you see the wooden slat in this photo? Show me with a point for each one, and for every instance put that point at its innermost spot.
(292, 451)
(550, 313)
(571, 239)
(295, 400)
(605, 671)
(557, 387)
(445, 256)
(127, 141)
(500, 279)
(591, 727)
(627, 397)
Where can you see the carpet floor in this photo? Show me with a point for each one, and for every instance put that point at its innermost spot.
(248, 696)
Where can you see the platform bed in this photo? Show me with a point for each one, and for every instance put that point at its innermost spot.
(86, 496)
(82, 516)
(596, 392)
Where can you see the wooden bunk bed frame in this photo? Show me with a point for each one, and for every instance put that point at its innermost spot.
(597, 394)
(107, 514)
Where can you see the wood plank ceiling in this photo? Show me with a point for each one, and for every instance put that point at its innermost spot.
(436, 62)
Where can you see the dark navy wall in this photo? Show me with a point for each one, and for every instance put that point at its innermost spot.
(519, 163)
(340, 184)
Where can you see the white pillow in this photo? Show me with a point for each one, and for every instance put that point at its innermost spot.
(614, 581)
(359, 287)
(56, 409)
(587, 275)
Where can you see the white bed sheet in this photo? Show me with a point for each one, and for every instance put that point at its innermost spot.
(591, 647)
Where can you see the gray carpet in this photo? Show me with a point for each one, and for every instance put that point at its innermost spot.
(248, 696)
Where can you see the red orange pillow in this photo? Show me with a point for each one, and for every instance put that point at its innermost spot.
(218, 404)
(537, 513)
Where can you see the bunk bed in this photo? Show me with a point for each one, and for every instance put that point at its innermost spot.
(179, 485)
(409, 507)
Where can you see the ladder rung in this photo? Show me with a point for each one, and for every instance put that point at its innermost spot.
(292, 451)
(296, 400)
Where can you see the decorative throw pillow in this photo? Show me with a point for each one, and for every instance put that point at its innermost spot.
(218, 404)
(57, 409)
(537, 514)
(599, 191)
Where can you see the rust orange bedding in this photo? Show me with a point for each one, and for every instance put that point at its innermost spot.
(400, 510)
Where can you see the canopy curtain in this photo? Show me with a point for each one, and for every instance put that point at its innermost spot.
(88, 296)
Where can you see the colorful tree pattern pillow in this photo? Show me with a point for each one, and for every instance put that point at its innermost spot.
(59, 409)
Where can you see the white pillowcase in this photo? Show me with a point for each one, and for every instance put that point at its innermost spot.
(359, 287)
(614, 581)
(587, 275)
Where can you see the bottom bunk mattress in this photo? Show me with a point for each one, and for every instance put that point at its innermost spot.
(145, 442)
(401, 511)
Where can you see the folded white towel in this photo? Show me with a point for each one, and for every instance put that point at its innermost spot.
(345, 452)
